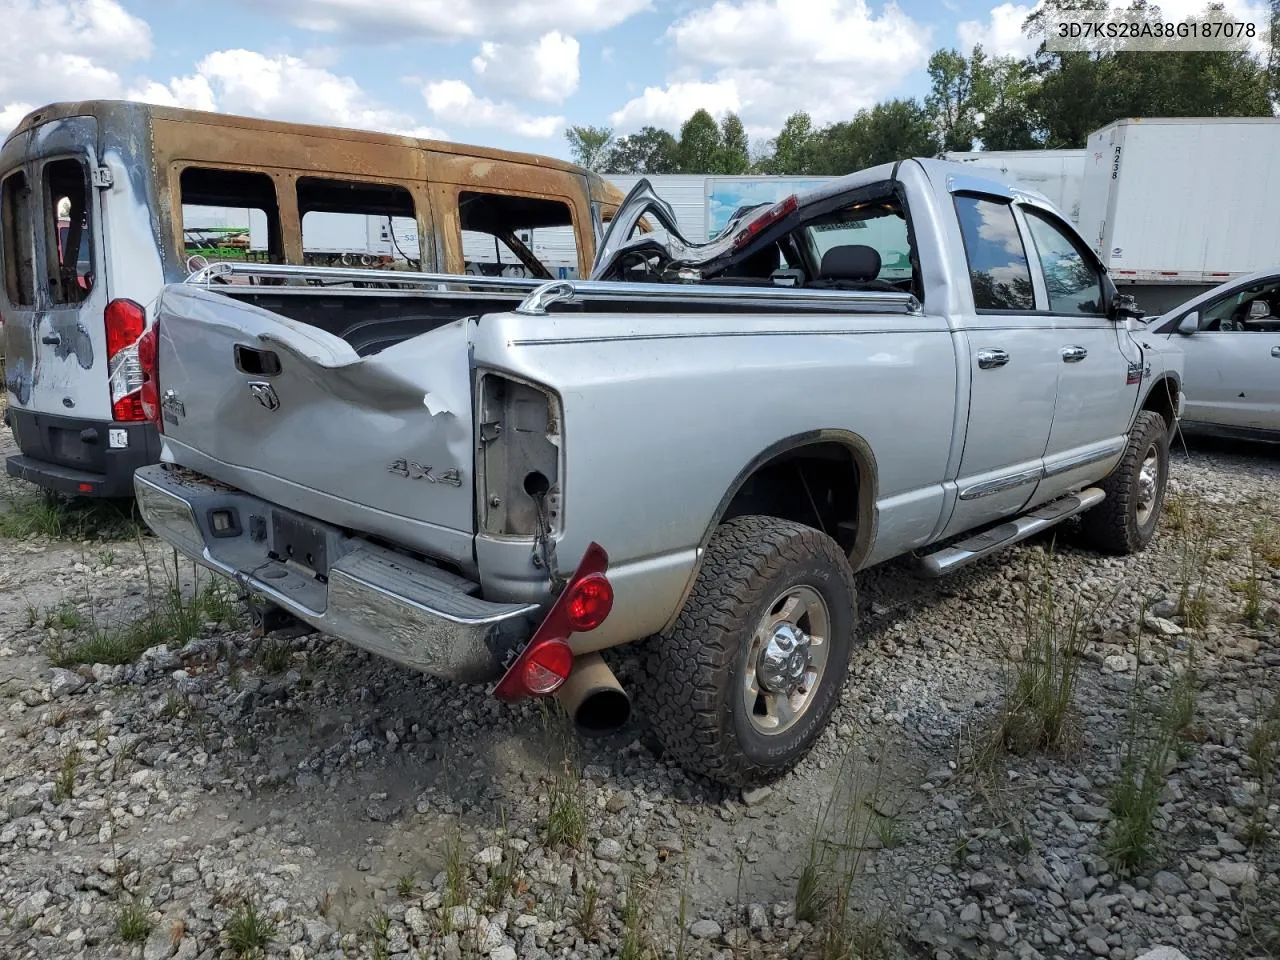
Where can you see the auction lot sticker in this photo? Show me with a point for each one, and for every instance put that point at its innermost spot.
(1106, 29)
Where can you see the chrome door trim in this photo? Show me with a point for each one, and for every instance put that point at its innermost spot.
(989, 488)
(1084, 459)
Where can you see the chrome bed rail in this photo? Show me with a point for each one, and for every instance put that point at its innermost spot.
(538, 296)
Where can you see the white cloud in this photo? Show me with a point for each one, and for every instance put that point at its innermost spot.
(766, 58)
(454, 19)
(453, 102)
(282, 87)
(544, 70)
(64, 50)
(672, 105)
(1001, 33)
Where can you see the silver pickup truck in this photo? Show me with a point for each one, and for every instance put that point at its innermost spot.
(700, 447)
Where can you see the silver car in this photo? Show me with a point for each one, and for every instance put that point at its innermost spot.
(1230, 337)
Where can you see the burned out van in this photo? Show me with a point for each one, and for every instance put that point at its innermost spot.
(103, 202)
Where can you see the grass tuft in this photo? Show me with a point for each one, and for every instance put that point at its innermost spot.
(1196, 539)
(273, 656)
(133, 922)
(29, 513)
(65, 783)
(249, 931)
(1042, 674)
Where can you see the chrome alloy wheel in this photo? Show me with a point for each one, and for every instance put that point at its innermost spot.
(1148, 485)
(787, 658)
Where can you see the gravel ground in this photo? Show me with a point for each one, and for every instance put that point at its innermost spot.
(367, 811)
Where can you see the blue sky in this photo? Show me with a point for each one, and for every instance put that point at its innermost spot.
(507, 73)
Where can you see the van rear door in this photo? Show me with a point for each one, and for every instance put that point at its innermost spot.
(55, 337)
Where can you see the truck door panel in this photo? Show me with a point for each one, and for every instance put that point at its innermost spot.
(1013, 370)
(1099, 367)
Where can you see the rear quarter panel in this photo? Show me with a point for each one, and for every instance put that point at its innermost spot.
(663, 412)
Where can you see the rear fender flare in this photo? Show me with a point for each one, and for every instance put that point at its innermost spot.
(864, 462)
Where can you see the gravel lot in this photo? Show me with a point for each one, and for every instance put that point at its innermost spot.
(367, 811)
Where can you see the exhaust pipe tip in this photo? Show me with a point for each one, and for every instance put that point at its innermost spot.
(593, 698)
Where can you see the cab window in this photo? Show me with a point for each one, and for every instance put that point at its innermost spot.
(1071, 280)
(998, 268)
(67, 226)
(1254, 309)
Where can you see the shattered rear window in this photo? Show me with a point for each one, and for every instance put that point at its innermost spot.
(17, 239)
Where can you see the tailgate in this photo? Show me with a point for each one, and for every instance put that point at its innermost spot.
(290, 413)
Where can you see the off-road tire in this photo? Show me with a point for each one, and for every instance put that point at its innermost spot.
(1113, 525)
(693, 697)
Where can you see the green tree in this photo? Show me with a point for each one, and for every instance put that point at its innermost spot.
(701, 144)
(648, 151)
(958, 94)
(1009, 123)
(589, 146)
(889, 131)
(791, 152)
(735, 150)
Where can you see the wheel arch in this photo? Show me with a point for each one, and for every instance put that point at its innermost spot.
(843, 448)
(1164, 397)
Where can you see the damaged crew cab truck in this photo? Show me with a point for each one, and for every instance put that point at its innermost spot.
(700, 447)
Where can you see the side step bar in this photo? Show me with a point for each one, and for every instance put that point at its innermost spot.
(979, 545)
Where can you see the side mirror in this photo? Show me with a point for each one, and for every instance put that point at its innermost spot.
(1125, 307)
(1259, 309)
(1189, 324)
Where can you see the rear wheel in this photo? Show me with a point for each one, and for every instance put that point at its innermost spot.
(1127, 519)
(743, 684)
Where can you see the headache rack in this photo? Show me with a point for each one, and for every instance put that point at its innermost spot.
(539, 296)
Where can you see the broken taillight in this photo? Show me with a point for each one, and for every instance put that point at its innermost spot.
(125, 322)
(767, 219)
(149, 392)
(583, 605)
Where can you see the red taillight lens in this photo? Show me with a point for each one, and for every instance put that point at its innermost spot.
(547, 666)
(590, 600)
(547, 661)
(125, 322)
(767, 219)
(149, 393)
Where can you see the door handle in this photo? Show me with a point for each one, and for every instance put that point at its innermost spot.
(1275, 352)
(991, 358)
(1073, 354)
(51, 339)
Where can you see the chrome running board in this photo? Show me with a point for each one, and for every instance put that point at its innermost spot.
(978, 545)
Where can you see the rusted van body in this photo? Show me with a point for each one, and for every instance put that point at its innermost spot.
(100, 202)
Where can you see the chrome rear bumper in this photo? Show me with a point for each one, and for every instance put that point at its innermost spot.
(407, 610)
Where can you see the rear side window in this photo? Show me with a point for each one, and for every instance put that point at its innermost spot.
(350, 223)
(517, 236)
(230, 215)
(68, 236)
(1072, 282)
(17, 240)
(998, 269)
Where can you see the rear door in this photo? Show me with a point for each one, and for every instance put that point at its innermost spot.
(1099, 367)
(55, 338)
(1013, 368)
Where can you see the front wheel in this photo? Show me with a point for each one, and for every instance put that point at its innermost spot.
(1126, 520)
(741, 687)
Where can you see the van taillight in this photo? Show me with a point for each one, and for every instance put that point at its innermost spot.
(125, 323)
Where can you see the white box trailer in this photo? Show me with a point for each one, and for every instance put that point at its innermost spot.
(1057, 174)
(1177, 206)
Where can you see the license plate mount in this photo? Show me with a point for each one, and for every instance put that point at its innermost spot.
(299, 541)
